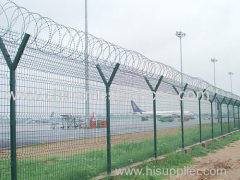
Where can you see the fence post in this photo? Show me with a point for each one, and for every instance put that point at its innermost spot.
(221, 114)
(238, 117)
(219, 111)
(218, 106)
(181, 94)
(211, 101)
(200, 114)
(154, 110)
(12, 65)
(107, 85)
(228, 113)
(234, 113)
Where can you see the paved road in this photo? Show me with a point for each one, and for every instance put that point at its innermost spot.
(30, 134)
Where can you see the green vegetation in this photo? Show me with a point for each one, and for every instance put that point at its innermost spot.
(92, 163)
(173, 160)
(181, 160)
(218, 144)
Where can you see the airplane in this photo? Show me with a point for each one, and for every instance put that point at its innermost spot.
(41, 119)
(63, 121)
(67, 121)
(163, 116)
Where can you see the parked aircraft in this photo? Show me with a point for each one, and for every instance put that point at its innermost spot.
(163, 116)
(67, 121)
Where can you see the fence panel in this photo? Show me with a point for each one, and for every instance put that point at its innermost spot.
(216, 119)
(168, 126)
(192, 130)
(131, 131)
(71, 124)
(206, 120)
(224, 119)
(5, 163)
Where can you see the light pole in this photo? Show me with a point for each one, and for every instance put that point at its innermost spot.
(214, 79)
(230, 74)
(214, 61)
(86, 68)
(180, 34)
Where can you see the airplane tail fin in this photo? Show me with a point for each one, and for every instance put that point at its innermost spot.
(52, 115)
(135, 107)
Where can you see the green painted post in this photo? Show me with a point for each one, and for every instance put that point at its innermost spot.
(13, 126)
(200, 115)
(12, 65)
(218, 105)
(200, 119)
(212, 117)
(238, 119)
(221, 115)
(233, 116)
(228, 118)
(221, 119)
(219, 112)
(155, 124)
(108, 131)
(107, 85)
(211, 102)
(154, 111)
(228, 114)
(182, 122)
(182, 110)
(234, 119)
(182, 114)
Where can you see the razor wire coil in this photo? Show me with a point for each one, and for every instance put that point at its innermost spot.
(49, 37)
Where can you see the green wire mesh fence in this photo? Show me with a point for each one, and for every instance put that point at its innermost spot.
(71, 123)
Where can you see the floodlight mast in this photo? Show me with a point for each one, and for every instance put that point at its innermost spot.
(180, 35)
(214, 61)
(230, 74)
(86, 68)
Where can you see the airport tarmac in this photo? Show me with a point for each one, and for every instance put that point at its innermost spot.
(30, 134)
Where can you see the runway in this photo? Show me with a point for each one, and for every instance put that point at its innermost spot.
(32, 134)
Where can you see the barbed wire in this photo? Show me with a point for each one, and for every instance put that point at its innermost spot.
(50, 37)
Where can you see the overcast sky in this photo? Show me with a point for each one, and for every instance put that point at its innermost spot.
(149, 26)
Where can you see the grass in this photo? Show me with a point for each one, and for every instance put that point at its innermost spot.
(89, 164)
(179, 160)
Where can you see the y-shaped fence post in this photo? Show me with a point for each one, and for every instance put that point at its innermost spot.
(12, 65)
(181, 94)
(107, 85)
(200, 114)
(154, 111)
(228, 113)
(221, 114)
(234, 113)
(219, 110)
(238, 117)
(211, 101)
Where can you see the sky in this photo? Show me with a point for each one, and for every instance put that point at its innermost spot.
(149, 27)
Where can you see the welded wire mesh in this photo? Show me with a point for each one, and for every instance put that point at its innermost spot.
(56, 138)
(216, 120)
(4, 125)
(191, 123)
(206, 117)
(224, 119)
(169, 128)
